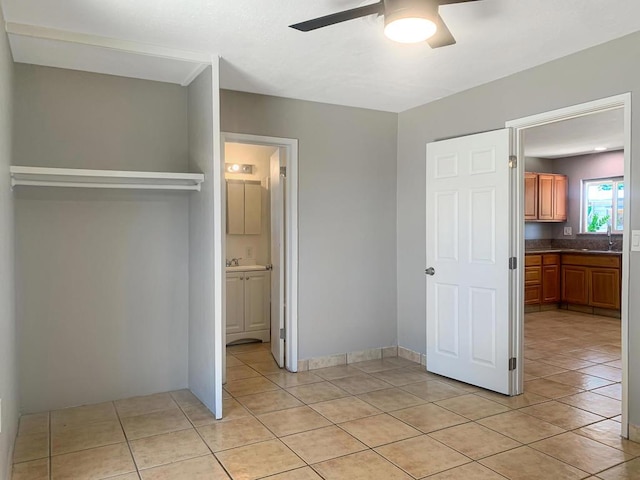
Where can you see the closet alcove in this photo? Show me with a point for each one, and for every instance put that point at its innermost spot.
(115, 198)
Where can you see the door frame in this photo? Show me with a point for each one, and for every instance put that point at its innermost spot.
(290, 146)
(519, 126)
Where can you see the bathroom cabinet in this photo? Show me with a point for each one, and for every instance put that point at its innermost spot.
(248, 306)
(244, 207)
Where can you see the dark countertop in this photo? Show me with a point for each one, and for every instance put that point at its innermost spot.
(538, 251)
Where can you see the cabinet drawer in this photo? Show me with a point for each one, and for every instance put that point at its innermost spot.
(531, 260)
(611, 261)
(532, 294)
(551, 259)
(532, 275)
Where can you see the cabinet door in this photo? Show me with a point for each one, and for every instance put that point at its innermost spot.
(252, 208)
(605, 288)
(235, 207)
(545, 196)
(575, 284)
(235, 302)
(559, 197)
(530, 196)
(532, 294)
(550, 284)
(257, 301)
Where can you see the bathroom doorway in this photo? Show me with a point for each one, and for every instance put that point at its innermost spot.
(261, 245)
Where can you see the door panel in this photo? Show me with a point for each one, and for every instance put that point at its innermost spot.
(545, 197)
(530, 196)
(605, 288)
(575, 285)
(277, 184)
(468, 322)
(256, 301)
(235, 302)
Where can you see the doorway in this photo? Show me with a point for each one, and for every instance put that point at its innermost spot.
(585, 226)
(277, 184)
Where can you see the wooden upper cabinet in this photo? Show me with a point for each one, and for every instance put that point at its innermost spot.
(530, 196)
(545, 197)
(560, 197)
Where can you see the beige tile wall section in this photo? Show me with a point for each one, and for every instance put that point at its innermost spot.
(361, 356)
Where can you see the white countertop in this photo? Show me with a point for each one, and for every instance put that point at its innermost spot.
(247, 268)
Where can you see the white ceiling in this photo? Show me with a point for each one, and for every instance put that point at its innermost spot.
(350, 63)
(576, 136)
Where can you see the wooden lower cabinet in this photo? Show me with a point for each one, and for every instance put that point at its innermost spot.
(541, 279)
(575, 284)
(605, 288)
(550, 283)
(592, 280)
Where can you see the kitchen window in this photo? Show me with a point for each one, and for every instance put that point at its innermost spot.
(603, 205)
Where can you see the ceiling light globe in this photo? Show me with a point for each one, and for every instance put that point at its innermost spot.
(410, 30)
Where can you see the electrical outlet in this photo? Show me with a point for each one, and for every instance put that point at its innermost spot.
(249, 252)
(567, 231)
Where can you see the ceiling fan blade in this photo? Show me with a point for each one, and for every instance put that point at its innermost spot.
(376, 8)
(442, 37)
(449, 2)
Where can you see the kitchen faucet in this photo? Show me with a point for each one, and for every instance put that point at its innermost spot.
(609, 235)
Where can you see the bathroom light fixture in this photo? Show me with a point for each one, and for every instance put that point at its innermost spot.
(238, 168)
(599, 149)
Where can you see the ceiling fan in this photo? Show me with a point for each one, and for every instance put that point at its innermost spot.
(405, 21)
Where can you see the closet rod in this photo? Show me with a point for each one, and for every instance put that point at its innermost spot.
(138, 186)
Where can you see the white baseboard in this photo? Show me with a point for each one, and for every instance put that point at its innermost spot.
(360, 356)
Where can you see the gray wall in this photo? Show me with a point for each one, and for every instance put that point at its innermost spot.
(567, 81)
(585, 167)
(347, 216)
(201, 224)
(102, 276)
(8, 377)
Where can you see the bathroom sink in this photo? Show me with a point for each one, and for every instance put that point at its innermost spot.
(247, 268)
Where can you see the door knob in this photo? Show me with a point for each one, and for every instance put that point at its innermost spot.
(430, 271)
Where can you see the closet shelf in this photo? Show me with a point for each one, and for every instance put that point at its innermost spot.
(80, 178)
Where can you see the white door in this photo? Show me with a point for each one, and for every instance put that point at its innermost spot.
(468, 248)
(235, 303)
(256, 301)
(277, 258)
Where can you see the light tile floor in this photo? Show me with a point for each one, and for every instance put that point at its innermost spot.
(384, 419)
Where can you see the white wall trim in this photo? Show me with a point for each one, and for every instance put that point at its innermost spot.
(219, 241)
(574, 111)
(291, 253)
(46, 33)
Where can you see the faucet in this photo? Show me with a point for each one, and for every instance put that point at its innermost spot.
(234, 262)
(609, 235)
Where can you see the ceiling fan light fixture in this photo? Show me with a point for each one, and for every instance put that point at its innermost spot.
(410, 29)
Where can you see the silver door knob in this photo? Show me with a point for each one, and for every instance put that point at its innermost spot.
(430, 271)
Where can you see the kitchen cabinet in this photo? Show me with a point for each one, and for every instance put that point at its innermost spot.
(244, 207)
(592, 280)
(530, 196)
(545, 197)
(532, 279)
(541, 279)
(550, 278)
(248, 305)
